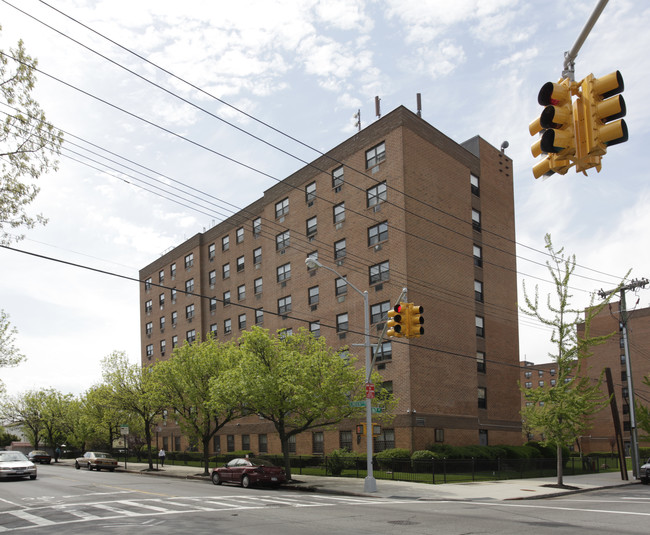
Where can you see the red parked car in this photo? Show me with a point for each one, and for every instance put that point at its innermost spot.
(248, 472)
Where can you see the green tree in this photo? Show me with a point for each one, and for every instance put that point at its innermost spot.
(295, 381)
(58, 416)
(9, 354)
(100, 418)
(29, 145)
(133, 389)
(6, 438)
(25, 410)
(563, 412)
(185, 382)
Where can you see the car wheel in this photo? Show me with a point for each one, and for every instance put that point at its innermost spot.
(32, 478)
(245, 482)
(90, 467)
(216, 480)
(76, 465)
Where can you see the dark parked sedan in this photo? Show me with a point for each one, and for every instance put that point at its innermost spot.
(248, 472)
(39, 456)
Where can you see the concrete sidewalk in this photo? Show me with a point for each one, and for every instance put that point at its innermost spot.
(511, 489)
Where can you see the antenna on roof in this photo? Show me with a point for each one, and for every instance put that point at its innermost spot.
(377, 107)
(357, 116)
(418, 99)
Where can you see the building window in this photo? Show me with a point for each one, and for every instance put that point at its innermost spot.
(342, 322)
(339, 249)
(476, 220)
(291, 443)
(478, 291)
(257, 256)
(161, 301)
(553, 382)
(541, 383)
(230, 443)
(386, 440)
(375, 155)
(385, 352)
(259, 316)
(242, 321)
(482, 437)
(240, 264)
(148, 328)
(241, 292)
(225, 271)
(148, 306)
(162, 324)
(480, 326)
(174, 318)
(312, 226)
(376, 194)
(379, 312)
(174, 341)
(473, 180)
(257, 286)
(529, 384)
(310, 192)
(225, 243)
(216, 444)
(227, 326)
(226, 297)
(257, 227)
(439, 435)
(378, 233)
(172, 271)
(337, 177)
(339, 213)
(191, 335)
(212, 278)
(340, 286)
(317, 442)
(540, 373)
(189, 260)
(212, 251)
(314, 328)
(213, 330)
(149, 350)
(282, 208)
(480, 361)
(240, 235)
(173, 292)
(262, 443)
(163, 346)
(189, 312)
(147, 284)
(528, 375)
(482, 397)
(313, 295)
(282, 240)
(379, 272)
(345, 440)
(284, 305)
(284, 272)
(189, 285)
(478, 256)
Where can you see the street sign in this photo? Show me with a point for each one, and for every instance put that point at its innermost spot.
(375, 410)
(370, 390)
(357, 403)
(124, 430)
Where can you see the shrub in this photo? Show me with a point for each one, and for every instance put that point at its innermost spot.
(339, 460)
(387, 459)
(422, 460)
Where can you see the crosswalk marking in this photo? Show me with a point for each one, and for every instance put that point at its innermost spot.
(39, 521)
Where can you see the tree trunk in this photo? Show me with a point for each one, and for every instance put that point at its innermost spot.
(147, 435)
(560, 479)
(206, 456)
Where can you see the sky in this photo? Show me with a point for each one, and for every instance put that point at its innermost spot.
(153, 91)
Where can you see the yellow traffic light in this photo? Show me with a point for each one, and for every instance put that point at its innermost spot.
(601, 104)
(396, 321)
(556, 129)
(414, 321)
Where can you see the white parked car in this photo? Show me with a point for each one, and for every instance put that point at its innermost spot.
(645, 473)
(16, 464)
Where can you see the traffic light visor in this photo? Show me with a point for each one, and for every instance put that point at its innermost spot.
(552, 94)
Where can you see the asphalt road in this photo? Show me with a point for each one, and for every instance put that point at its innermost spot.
(64, 500)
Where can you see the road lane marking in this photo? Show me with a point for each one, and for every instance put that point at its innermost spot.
(39, 521)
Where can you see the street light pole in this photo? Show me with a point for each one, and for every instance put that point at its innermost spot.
(370, 483)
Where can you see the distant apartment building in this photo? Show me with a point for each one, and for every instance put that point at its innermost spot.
(397, 205)
(601, 437)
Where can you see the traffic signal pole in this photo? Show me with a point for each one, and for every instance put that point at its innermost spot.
(569, 57)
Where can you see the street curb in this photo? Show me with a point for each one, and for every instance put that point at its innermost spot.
(569, 492)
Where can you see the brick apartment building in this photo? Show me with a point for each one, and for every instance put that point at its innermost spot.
(396, 205)
(601, 437)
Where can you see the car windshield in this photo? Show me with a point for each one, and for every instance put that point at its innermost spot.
(12, 456)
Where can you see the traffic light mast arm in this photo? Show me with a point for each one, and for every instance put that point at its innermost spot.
(569, 57)
(401, 297)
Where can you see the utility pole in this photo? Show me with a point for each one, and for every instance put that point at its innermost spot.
(634, 445)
